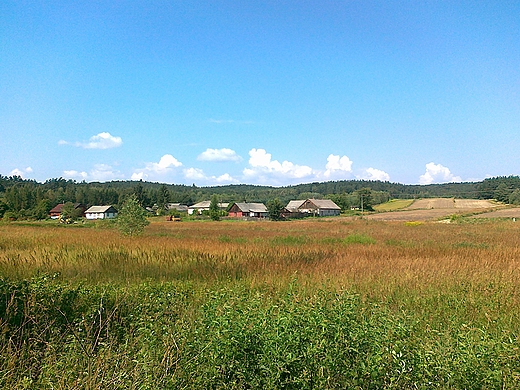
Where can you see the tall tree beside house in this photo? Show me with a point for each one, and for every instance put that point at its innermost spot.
(274, 209)
(131, 220)
(214, 209)
(69, 213)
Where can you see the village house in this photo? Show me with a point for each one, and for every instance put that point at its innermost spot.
(56, 211)
(101, 212)
(198, 208)
(253, 210)
(315, 207)
(320, 207)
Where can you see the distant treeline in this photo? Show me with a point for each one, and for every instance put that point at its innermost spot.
(32, 199)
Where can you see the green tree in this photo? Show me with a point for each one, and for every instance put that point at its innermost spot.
(514, 198)
(131, 220)
(214, 208)
(274, 209)
(3, 208)
(68, 212)
(365, 198)
(41, 211)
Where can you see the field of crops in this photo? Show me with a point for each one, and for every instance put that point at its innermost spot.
(332, 303)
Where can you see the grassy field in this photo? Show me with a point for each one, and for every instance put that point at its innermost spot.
(311, 304)
(393, 205)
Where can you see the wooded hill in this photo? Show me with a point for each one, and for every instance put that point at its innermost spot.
(31, 199)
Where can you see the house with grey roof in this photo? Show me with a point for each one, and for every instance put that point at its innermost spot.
(315, 207)
(253, 210)
(320, 207)
(198, 208)
(101, 212)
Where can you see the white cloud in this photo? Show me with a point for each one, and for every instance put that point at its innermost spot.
(225, 178)
(102, 140)
(20, 172)
(376, 174)
(219, 155)
(263, 167)
(100, 172)
(337, 166)
(137, 176)
(436, 173)
(152, 170)
(194, 174)
(73, 174)
(200, 176)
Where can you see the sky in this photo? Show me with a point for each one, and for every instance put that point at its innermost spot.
(260, 92)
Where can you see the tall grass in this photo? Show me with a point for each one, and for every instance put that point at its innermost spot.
(305, 304)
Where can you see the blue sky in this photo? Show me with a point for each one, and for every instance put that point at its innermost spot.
(260, 92)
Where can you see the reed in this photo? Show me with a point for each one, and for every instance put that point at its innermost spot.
(302, 304)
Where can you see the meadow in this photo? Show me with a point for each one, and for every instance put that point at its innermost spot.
(310, 304)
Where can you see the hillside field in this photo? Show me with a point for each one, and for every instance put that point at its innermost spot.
(317, 303)
(432, 209)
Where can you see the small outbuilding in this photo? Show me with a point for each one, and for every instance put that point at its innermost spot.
(101, 212)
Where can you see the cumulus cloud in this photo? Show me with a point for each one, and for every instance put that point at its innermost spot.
(200, 176)
(219, 155)
(262, 166)
(436, 173)
(100, 172)
(337, 166)
(102, 140)
(376, 174)
(73, 174)
(153, 170)
(194, 174)
(20, 172)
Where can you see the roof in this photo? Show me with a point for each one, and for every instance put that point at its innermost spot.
(325, 204)
(205, 205)
(252, 207)
(294, 205)
(99, 209)
(58, 208)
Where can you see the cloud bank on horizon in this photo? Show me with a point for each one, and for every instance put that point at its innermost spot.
(261, 168)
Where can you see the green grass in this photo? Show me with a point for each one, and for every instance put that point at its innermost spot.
(293, 305)
(393, 205)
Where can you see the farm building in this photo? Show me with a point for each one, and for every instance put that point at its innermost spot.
(320, 207)
(56, 211)
(176, 206)
(316, 207)
(101, 212)
(204, 206)
(255, 210)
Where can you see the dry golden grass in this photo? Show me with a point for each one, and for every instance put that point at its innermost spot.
(390, 251)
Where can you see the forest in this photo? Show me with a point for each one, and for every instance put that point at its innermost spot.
(28, 199)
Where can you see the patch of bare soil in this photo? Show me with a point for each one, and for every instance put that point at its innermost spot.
(412, 215)
(435, 209)
(450, 203)
(513, 212)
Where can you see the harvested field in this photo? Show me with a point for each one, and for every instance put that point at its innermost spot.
(504, 213)
(436, 208)
(450, 203)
